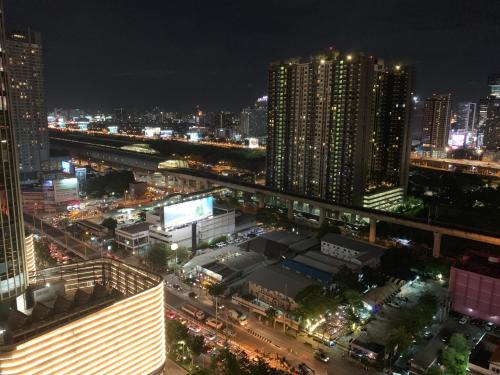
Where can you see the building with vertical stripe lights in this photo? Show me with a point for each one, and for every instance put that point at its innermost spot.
(95, 317)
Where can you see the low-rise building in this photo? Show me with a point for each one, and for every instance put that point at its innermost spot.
(220, 224)
(133, 238)
(351, 251)
(474, 288)
(485, 356)
(95, 229)
(277, 286)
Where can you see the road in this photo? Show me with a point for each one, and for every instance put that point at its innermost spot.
(267, 339)
(62, 238)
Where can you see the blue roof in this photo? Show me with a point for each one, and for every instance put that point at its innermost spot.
(307, 270)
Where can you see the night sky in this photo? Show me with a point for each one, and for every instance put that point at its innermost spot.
(101, 54)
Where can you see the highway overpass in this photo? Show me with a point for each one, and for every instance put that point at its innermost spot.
(147, 163)
(62, 238)
(477, 167)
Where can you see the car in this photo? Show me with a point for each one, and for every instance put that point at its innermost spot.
(320, 355)
(463, 320)
(428, 335)
(489, 326)
(305, 369)
(220, 342)
(194, 327)
(394, 304)
(192, 295)
(209, 336)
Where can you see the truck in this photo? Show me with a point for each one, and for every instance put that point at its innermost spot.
(216, 324)
(193, 312)
(237, 317)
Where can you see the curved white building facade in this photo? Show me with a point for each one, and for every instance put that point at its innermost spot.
(121, 333)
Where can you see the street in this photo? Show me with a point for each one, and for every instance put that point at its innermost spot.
(266, 339)
(63, 239)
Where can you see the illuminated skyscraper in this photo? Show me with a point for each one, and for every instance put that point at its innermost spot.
(28, 112)
(466, 116)
(337, 126)
(13, 276)
(253, 119)
(494, 83)
(436, 126)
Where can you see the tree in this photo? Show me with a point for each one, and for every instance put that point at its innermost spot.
(455, 356)
(327, 228)
(434, 370)
(372, 277)
(175, 331)
(182, 254)
(398, 340)
(158, 256)
(216, 290)
(315, 300)
(42, 255)
(196, 344)
(346, 279)
(271, 315)
(110, 223)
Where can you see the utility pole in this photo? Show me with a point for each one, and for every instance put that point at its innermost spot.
(284, 312)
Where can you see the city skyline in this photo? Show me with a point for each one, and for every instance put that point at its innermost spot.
(189, 58)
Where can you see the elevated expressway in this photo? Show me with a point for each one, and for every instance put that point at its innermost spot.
(147, 163)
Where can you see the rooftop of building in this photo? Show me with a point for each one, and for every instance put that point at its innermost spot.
(276, 244)
(212, 256)
(426, 357)
(482, 264)
(66, 293)
(486, 351)
(284, 237)
(134, 228)
(279, 279)
(350, 243)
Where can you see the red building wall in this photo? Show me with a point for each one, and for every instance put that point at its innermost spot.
(475, 295)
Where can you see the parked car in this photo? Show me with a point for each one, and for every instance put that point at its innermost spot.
(192, 295)
(177, 287)
(463, 320)
(305, 369)
(320, 355)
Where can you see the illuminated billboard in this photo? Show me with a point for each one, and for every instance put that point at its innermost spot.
(187, 212)
(253, 143)
(166, 133)
(66, 166)
(151, 132)
(457, 140)
(193, 137)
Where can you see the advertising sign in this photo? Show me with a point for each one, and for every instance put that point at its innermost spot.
(253, 143)
(66, 166)
(187, 212)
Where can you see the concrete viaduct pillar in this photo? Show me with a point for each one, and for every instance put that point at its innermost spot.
(372, 237)
(289, 207)
(436, 246)
(261, 199)
(322, 214)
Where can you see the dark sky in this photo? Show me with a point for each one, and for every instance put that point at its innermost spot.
(100, 54)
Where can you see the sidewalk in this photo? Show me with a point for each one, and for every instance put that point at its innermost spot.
(172, 368)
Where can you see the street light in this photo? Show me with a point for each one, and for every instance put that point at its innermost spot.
(174, 247)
